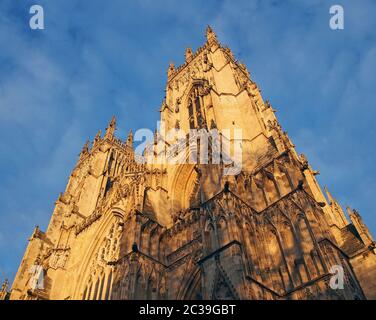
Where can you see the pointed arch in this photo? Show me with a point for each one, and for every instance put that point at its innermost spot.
(195, 103)
(191, 289)
(184, 186)
(280, 275)
(106, 223)
(209, 234)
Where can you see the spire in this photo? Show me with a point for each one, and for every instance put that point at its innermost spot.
(211, 36)
(110, 130)
(339, 216)
(129, 142)
(359, 225)
(329, 195)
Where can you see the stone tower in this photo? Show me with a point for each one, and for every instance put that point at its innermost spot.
(130, 226)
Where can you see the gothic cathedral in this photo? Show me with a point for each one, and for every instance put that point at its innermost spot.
(127, 229)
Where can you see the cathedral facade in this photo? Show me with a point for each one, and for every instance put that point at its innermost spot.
(130, 227)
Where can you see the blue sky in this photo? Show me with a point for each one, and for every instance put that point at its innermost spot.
(96, 59)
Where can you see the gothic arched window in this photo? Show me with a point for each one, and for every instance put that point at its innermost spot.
(195, 106)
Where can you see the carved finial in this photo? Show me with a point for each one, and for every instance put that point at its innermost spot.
(85, 149)
(130, 139)
(4, 290)
(354, 215)
(98, 137)
(360, 226)
(349, 211)
(110, 130)
(170, 70)
(188, 54)
(329, 195)
(304, 161)
(244, 68)
(4, 287)
(36, 233)
(229, 52)
(209, 31)
(210, 35)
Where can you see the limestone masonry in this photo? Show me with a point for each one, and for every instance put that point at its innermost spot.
(127, 230)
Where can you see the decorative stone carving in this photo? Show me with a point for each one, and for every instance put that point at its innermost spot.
(131, 229)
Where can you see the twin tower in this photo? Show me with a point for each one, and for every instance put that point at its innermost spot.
(127, 229)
